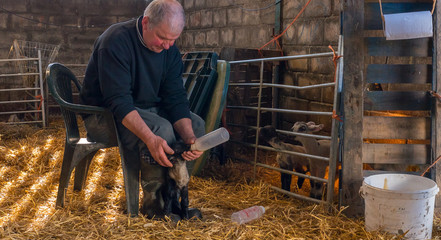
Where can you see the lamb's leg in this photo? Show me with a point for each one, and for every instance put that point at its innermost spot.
(184, 202)
(319, 170)
(168, 196)
(286, 181)
(300, 180)
(285, 178)
(316, 190)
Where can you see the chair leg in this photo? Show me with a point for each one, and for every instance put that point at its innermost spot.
(81, 171)
(66, 170)
(131, 167)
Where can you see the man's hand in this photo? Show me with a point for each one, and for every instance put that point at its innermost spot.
(191, 155)
(185, 130)
(158, 148)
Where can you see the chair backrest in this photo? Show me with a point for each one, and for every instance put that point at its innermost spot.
(199, 78)
(60, 80)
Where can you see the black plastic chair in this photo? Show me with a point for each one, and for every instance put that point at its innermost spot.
(79, 152)
(206, 89)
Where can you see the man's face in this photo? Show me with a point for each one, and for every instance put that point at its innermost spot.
(158, 38)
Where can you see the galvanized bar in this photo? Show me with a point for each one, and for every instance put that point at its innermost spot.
(278, 18)
(282, 151)
(323, 180)
(285, 86)
(19, 101)
(313, 55)
(258, 116)
(25, 122)
(334, 129)
(43, 104)
(283, 110)
(305, 135)
(285, 132)
(13, 112)
(18, 59)
(18, 74)
(18, 89)
(297, 195)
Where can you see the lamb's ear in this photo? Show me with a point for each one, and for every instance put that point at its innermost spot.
(314, 128)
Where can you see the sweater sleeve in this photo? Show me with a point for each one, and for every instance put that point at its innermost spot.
(172, 93)
(115, 84)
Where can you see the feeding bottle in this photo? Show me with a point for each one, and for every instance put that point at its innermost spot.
(211, 139)
(247, 215)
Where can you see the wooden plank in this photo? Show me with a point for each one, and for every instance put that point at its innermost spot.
(421, 47)
(396, 127)
(373, 17)
(404, 73)
(352, 97)
(396, 153)
(387, 100)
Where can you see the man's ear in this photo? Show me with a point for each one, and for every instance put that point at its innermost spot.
(145, 22)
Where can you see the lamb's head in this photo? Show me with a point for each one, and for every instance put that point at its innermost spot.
(306, 127)
(179, 171)
(178, 147)
(268, 133)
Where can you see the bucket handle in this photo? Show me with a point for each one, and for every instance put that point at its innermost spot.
(362, 192)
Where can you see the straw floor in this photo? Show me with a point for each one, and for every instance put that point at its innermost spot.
(30, 161)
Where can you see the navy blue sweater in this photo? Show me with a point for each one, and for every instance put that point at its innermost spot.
(123, 74)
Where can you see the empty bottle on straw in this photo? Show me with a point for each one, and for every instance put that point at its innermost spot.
(211, 139)
(247, 215)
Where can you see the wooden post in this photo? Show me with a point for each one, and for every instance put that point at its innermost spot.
(353, 82)
(436, 118)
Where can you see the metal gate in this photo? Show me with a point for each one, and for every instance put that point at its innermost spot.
(24, 91)
(333, 158)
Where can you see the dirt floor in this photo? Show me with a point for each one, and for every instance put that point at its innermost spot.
(30, 161)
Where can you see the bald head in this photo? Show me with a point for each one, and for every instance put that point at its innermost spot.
(169, 12)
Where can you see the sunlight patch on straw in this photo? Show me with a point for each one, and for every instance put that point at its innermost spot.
(94, 178)
(8, 187)
(20, 205)
(4, 169)
(49, 142)
(12, 153)
(112, 213)
(44, 212)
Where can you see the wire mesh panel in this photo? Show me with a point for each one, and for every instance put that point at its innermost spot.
(27, 49)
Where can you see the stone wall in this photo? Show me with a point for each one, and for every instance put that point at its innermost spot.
(210, 25)
(73, 24)
(250, 24)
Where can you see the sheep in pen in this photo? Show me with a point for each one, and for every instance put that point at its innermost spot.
(298, 163)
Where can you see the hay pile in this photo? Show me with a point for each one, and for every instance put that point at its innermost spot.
(30, 161)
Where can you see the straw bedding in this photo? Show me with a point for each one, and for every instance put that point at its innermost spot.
(30, 161)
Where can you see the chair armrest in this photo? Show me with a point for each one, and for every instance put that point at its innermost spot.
(79, 108)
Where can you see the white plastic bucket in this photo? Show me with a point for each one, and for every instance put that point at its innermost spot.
(399, 204)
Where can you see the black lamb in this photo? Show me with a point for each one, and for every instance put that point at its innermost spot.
(175, 190)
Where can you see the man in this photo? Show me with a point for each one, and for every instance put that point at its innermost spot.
(136, 71)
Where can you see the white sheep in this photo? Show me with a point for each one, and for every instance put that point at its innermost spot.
(314, 147)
